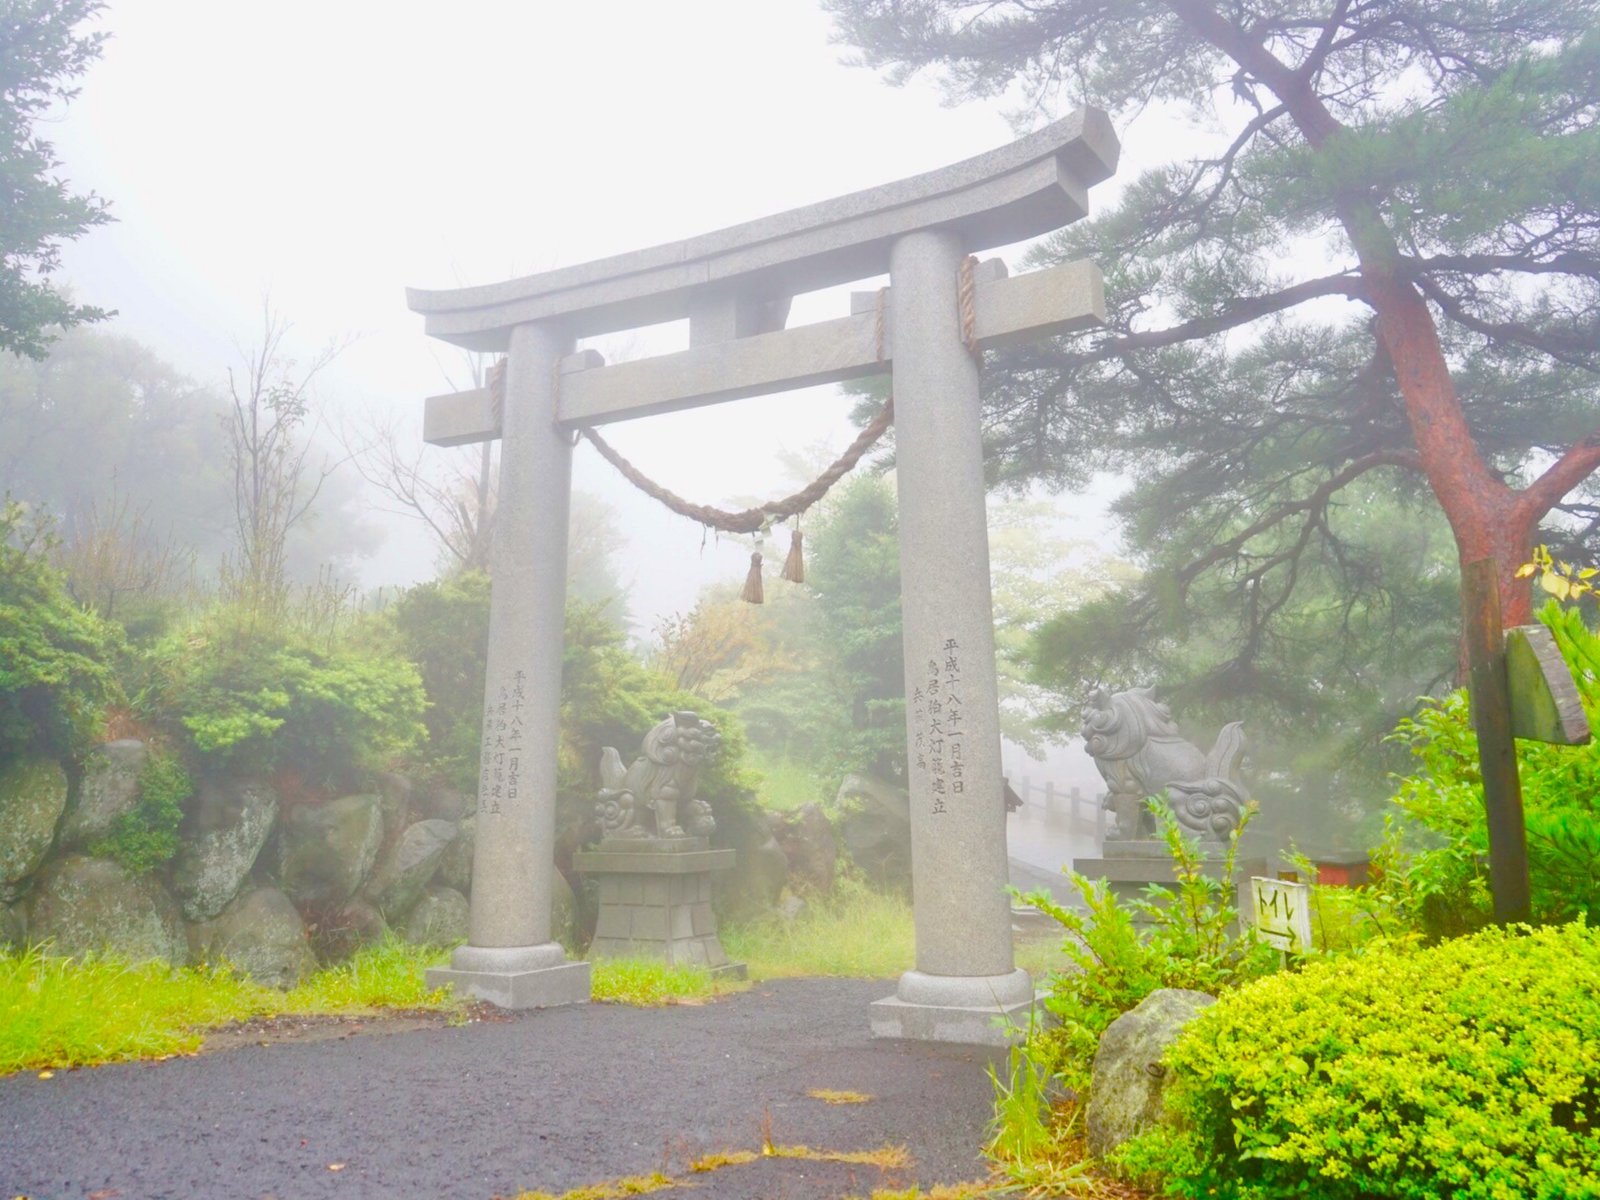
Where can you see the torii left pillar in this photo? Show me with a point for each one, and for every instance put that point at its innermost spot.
(510, 958)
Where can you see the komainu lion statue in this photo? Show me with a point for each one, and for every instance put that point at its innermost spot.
(656, 796)
(1134, 741)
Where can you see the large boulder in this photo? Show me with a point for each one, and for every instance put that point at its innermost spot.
(407, 866)
(1127, 1091)
(396, 794)
(439, 918)
(261, 934)
(84, 904)
(876, 829)
(219, 843)
(808, 843)
(109, 788)
(455, 864)
(443, 803)
(326, 851)
(337, 933)
(752, 886)
(33, 793)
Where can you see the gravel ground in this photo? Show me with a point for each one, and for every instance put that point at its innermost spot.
(547, 1100)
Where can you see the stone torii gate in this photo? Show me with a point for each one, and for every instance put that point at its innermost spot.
(735, 286)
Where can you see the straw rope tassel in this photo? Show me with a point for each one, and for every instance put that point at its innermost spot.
(794, 567)
(752, 593)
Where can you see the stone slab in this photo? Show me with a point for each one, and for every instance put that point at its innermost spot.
(548, 987)
(645, 862)
(976, 1025)
(1154, 869)
(1035, 184)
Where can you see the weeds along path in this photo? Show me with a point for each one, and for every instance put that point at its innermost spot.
(546, 1101)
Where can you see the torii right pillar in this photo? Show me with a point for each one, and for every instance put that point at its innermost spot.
(966, 986)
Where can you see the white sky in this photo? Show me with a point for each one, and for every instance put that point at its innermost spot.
(332, 153)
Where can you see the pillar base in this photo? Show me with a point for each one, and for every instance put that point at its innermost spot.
(973, 1010)
(514, 977)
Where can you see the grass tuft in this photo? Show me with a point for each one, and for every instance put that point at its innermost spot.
(855, 933)
(61, 1012)
(829, 1096)
(614, 1189)
(722, 1158)
(886, 1157)
(649, 982)
(56, 1012)
(386, 974)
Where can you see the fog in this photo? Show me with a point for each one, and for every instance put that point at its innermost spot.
(322, 158)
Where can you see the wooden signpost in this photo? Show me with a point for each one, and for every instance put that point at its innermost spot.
(1520, 687)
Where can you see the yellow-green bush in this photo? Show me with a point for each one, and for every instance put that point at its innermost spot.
(1471, 1069)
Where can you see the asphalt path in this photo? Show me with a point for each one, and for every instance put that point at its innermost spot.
(548, 1100)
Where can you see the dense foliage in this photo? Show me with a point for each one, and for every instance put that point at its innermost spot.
(1471, 1069)
(248, 695)
(1353, 329)
(1184, 936)
(146, 836)
(1437, 845)
(55, 656)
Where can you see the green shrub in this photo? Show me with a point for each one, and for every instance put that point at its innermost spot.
(54, 654)
(247, 696)
(443, 627)
(1471, 1069)
(1185, 937)
(1435, 854)
(147, 835)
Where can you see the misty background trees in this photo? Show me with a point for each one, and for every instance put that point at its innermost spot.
(43, 50)
(1360, 325)
(1290, 538)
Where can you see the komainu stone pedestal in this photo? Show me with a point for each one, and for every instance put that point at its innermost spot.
(655, 900)
(514, 976)
(1131, 866)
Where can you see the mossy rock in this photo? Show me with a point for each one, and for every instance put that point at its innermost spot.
(88, 905)
(406, 867)
(220, 842)
(33, 795)
(262, 935)
(326, 851)
(109, 788)
(439, 918)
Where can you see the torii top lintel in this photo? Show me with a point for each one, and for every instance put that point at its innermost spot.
(1027, 188)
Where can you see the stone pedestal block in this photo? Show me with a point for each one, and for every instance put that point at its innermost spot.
(515, 977)
(973, 1010)
(655, 900)
(1131, 866)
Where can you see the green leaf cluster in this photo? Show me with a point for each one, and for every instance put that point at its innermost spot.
(146, 836)
(248, 696)
(55, 676)
(1184, 937)
(1468, 1070)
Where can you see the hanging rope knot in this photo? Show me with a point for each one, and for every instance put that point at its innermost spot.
(966, 296)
